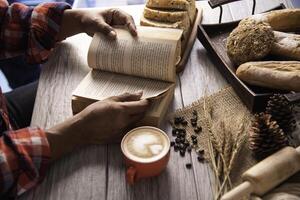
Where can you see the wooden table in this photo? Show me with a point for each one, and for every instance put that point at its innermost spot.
(97, 172)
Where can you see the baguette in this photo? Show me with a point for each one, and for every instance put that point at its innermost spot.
(281, 20)
(287, 45)
(283, 75)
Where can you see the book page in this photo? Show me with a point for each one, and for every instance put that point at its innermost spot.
(99, 85)
(152, 54)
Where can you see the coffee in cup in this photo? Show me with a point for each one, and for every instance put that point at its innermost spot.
(146, 150)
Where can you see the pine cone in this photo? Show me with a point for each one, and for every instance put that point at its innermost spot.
(281, 111)
(266, 137)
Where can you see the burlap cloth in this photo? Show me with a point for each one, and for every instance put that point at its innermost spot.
(224, 106)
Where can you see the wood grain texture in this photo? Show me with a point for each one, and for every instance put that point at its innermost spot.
(98, 172)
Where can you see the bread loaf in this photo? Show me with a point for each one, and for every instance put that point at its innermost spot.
(287, 45)
(284, 75)
(174, 5)
(166, 16)
(183, 24)
(169, 4)
(281, 20)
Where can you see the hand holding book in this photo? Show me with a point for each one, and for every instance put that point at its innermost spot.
(129, 64)
(102, 122)
(76, 21)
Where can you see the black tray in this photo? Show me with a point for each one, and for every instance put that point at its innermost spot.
(213, 38)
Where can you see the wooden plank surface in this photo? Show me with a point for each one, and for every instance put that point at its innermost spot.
(98, 172)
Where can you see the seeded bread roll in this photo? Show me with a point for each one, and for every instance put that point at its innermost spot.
(249, 41)
(287, 45)
(284, 75)
(165, 16)
(281, 20)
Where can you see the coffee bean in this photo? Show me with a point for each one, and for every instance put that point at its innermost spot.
(189, 149)
(182, 134)
(184, 123)
(182, 130)
(193, 120)
(200, 158)
(193, 137)
(177, 140)
(182, 139)
(182, 153)
(177, 120)
(181, 146)
(194, 123)
(172, 143)
(201, 151)
(195, 141)
(174, 131)
(195, 112)
(188, 165)
(186, 143)
(198, 129)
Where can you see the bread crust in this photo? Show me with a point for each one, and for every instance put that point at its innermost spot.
(281, 20)
(165, 16)
(283, 75)
(174, 5)
(169, 4)
(287, 45)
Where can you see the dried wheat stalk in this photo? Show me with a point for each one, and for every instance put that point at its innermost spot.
(223, 149)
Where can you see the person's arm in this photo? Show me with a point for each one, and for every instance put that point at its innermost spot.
(29, 31)
(25, 154)
(33, 32)
(24, 158)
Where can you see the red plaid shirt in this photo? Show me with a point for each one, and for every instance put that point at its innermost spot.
(25, 153)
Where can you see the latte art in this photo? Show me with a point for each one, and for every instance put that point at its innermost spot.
(145, 144)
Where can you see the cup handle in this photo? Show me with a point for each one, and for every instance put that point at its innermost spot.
(131, 175)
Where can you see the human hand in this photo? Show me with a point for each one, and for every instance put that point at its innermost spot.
(102, 122)
(95, 20)
(106, 121)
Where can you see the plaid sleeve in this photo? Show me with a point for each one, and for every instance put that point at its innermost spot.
(29, 31)
(24, 158)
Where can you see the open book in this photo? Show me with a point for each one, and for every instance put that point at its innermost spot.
(130, 64)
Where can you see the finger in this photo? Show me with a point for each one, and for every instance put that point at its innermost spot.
(128, 97)
(106, 29)
(122, 18)
(132, 29)
(136, 107)
(131, 25)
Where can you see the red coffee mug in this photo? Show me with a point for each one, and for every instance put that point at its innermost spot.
(137, 169)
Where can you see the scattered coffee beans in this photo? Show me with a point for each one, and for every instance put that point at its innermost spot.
(182, 143)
